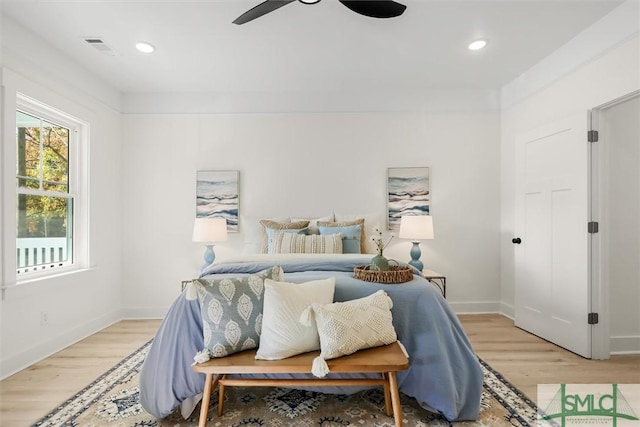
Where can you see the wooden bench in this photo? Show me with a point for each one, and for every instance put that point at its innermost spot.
(385, 360)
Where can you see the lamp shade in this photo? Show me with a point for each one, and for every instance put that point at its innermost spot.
(416, 227)
(210, 230)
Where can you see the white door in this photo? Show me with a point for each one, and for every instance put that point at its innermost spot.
(552, 256)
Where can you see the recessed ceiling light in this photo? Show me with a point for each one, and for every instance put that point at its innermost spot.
(478, 44)
(145, 47)
(309, 1)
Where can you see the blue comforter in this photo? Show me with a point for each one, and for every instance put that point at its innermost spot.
(444, 374)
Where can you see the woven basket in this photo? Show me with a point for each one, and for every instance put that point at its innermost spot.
(396, 274)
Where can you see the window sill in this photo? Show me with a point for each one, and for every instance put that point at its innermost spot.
(40, 276)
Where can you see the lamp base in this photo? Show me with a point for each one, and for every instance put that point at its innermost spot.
(415, 256)
(209, 257)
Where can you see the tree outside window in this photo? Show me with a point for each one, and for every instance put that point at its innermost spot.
(44, 202)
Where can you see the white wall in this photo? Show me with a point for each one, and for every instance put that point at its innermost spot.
(81, 303)
(309, 164)
(608, 76)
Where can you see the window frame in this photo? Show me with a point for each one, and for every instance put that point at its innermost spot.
(77, 185)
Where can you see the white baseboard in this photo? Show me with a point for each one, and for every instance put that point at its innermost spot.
(13, 364)
(144, 312)
(625, 345)
(507, 310)
(475, 307)
(42, 350)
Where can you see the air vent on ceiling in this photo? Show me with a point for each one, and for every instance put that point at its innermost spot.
(99, 45)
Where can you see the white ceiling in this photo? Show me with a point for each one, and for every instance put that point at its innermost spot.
(307, 48)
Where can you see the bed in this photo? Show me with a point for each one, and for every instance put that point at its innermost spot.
(444, 375)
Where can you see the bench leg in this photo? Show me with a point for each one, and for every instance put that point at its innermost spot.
(387, 394)
(395, 399)
(206, 398)
(220, 398)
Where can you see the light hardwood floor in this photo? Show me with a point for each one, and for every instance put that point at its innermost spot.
(33, 392)
(525, 360)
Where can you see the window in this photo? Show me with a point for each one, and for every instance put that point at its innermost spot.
(47, 188)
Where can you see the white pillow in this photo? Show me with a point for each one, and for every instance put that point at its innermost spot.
(346, 327)
(252, 232)
(289, 243)
(313, 222)
(371, 220)
(282, 334)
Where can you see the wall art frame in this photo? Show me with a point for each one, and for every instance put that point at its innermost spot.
(218, 195)
(408, 193)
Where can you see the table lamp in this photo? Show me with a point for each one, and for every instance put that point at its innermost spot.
(209, 230)
(415, 228)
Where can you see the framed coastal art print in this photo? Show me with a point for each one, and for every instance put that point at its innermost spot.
(407, 194)
(217, 195)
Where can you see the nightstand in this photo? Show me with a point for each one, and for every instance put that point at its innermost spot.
(439, 280)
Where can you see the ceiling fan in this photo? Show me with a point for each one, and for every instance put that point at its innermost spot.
(371, 8)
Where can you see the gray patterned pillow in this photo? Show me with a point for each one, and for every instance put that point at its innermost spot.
(232, 311)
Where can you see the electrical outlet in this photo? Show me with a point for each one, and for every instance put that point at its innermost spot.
(44, 318)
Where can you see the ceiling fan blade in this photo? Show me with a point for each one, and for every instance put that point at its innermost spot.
(375, 8)
(261, 9)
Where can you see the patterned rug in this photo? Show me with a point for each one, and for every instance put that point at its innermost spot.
(112, 400)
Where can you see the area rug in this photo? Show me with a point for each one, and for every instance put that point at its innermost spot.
(112, 401)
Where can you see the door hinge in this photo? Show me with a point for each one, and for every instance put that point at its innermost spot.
(592, 136)
(592, 227)
(592, 318)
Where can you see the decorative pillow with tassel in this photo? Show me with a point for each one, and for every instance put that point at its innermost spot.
(346, 327)
(231, 311)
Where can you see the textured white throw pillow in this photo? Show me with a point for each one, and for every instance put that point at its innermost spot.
(346, 327)
(282, 334)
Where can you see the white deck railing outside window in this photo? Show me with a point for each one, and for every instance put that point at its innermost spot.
(34, 251)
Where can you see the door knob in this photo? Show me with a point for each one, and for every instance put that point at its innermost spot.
(516, 241)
